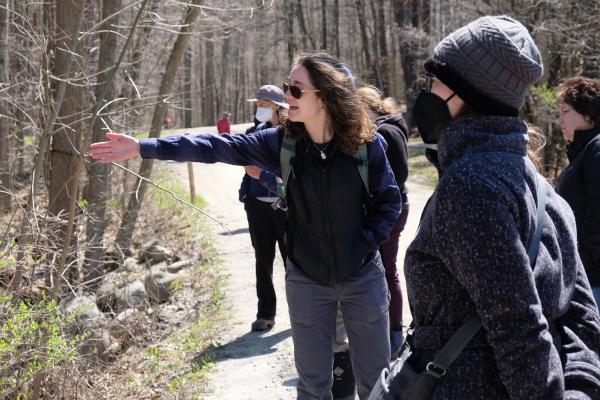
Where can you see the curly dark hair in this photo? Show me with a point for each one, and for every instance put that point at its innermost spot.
(583, 94)
(347, 113)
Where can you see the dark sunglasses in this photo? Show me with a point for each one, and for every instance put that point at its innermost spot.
(428, 82)
(295, 91)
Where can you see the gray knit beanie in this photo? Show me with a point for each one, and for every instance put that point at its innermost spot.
(490, 63)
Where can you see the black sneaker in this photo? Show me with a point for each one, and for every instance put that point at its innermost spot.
(262, 324)
(344, 384)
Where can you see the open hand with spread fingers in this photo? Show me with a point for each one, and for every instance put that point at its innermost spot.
(118, 148)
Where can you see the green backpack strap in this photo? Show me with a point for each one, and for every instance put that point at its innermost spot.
(288, 151)
(361, 160)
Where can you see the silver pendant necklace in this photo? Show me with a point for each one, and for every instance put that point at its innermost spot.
(322, 151)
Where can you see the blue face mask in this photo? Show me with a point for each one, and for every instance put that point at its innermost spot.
(431, 115)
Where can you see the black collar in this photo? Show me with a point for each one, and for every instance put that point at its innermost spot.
(580, 140)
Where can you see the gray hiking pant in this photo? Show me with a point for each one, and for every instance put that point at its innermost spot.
(364, 301)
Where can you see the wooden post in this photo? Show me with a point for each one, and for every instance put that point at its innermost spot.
(192, 184)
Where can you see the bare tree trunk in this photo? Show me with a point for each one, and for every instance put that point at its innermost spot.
(209, 81)
(302, 24)
(239, 84)
(20, 146)
(421, 14)
(67, 134)
(290, 37)
(362, 22)
(411, 49)
(373, 32)
(54, 108)
(199, 67)
(380, 25)
(5, 189)
(84, 143)
(99, 173)
(221, 90)
(130, 218)
(187, 88)
(382, 59)
(131, 91)
(323, 24)
(336, 26)
(139, 48)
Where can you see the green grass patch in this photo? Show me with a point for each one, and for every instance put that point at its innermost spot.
(141, 135)
(419, 168)
(166, 200)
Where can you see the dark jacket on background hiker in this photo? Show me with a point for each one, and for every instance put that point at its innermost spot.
(541, 330)
(326, 198)
(250, 186)
(266, 226)
(395, 132)
(579, 184)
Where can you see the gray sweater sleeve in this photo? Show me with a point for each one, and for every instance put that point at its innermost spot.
(481, 246)
(580, 339)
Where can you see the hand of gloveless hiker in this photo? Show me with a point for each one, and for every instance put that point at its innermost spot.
(118, 148)
(253, 171)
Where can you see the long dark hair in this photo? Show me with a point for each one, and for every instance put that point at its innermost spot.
(348, 115)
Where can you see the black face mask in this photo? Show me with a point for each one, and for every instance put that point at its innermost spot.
(431, 114)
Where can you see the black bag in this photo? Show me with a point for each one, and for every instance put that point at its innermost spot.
(402, 382)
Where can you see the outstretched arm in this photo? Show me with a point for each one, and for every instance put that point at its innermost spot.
(261, 148)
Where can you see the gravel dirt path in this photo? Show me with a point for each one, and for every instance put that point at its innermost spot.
(253, 365)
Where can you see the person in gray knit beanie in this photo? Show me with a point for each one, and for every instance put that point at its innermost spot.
(490, 63)
(475, 257)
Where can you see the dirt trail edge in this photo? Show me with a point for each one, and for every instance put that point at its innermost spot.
(257, 365)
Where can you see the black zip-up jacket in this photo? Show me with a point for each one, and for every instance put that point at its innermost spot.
(332, 229)
(394, 130)
(326, 213)
(579, 185)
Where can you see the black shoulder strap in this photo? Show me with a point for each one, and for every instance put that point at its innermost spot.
(469, 329)
(361, 160)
